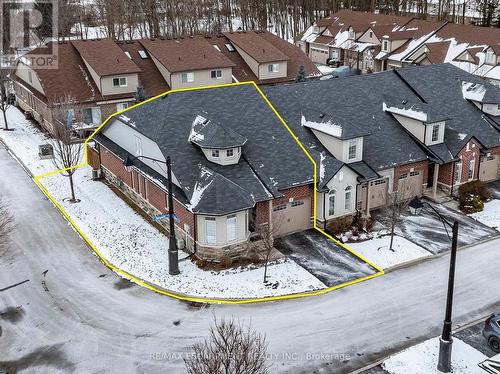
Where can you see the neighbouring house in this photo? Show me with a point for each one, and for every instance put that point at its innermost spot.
(236, 168)
(103, 76)
(377, 42)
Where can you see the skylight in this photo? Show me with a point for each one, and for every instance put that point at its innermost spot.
(230, 47)
(143, 54)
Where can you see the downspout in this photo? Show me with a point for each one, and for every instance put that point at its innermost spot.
(324, 211)
(195, 235)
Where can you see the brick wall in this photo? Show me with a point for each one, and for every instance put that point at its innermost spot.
(422, 167)
(467, 153)
(151, 198)
(296, 193)
(262, 212)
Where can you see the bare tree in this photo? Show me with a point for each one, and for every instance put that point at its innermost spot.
(67, 154)
(230, 348)
(6, 222)
(267, 233)
(4, 94)
(396, 204)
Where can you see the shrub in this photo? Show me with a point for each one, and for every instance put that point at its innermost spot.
(477, 188)
(341, 225)
(471, 204)
(225, 262)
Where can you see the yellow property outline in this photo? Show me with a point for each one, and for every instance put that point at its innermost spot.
(201, 299)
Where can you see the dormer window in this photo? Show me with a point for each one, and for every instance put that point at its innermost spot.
(353, 149)
(435, 133)
(351, 34)
(120, 82)
(219, 144)
(385, 46)
(274, 68)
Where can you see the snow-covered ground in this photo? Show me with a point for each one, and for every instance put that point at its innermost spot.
(377, 251)
(490, 215)
(129, 242)
(422, 358)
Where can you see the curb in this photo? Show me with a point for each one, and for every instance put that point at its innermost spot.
(381, 361)
(438, 255)
(19, 161)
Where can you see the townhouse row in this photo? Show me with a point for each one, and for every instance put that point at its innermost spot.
(239, 174)
(377, 42)
(96, 78)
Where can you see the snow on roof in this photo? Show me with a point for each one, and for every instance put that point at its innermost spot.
(322, 166)
(200, 186)
(194, 135)
(309, 34)
(473, 91)
(340, 38)
(407, 112)
(413, 45)
(327, 127)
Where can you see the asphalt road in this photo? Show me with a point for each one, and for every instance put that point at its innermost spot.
(82, 318)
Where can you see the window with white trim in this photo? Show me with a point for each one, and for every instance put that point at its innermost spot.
(273, 68)
(188, 77)
(215, 153)
(231, 228)
(120, 82)
(385, 46)
(458, 172)
(229, 152)
(348, 198)
(216, 74)
(353, 150)
(472, 165)
(30, 77)
(210, 230)
(331, 203)
(435, 133)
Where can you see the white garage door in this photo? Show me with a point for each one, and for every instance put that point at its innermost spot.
(292, 217)
(410, 184)
(488, 169)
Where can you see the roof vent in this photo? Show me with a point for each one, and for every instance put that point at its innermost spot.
(404, 102)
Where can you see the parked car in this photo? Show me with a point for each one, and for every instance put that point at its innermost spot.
(491, 331)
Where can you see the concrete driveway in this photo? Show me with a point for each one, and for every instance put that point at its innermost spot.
(495, 189)
(319, 255)
(427, 230)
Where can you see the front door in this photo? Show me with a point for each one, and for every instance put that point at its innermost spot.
(430, 175)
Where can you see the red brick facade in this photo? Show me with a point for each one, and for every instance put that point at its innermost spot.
(296, 193)
(146, 189)
(422, 167)
(469, 152)
(262, 212)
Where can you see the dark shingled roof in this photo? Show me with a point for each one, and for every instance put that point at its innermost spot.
(211, 134)
(358, 98)
(256, 47)
(406, 105)
(271, 159)
(441, 86)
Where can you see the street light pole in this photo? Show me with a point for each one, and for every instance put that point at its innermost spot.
(173, 253)
(446, 341)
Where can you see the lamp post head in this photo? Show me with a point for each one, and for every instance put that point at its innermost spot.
(415, 206)
(128, 164)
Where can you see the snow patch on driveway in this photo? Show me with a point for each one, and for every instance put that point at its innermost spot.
(422, 358)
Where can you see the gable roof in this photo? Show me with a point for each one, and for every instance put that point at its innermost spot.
(257, 47)
(105, 57)
(70, 78)
(271, 160)
(186, 53)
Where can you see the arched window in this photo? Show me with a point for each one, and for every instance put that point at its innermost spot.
(331, 203)
(348, 198)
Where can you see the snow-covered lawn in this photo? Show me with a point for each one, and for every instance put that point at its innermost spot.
(129, 242)
(490, 215)
(377, 251)
(422, 358)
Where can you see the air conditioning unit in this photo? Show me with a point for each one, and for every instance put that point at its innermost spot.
(45, 151)
(96, 174)
(181, 243)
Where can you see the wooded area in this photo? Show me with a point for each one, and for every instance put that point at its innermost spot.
(126, 19)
